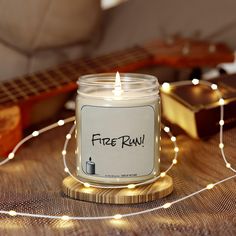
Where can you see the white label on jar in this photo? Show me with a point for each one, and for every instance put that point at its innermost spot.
(117, 142)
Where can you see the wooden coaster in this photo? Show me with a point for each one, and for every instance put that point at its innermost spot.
(146, 193)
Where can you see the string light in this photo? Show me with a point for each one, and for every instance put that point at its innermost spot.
(12, 213)
(173, 138)
(163, 174)
(228, 165)
(221, 101)
(167, 129)
(130, 186)
(221, 145)
(87, 185)
(118, 186)
(165, 87)
(11, 155)
(60, 122)
(117, 216)
(167, 205)
(65, 217)
(221, 122)
(35, 133)
(195, 81)
(176, 149)
(63, 152)
(174, 161)
(210, 186)
(214, 87)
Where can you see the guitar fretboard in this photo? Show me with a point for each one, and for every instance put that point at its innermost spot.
(26, 87)
(179, 53)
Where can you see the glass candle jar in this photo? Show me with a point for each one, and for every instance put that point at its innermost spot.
(118, 128)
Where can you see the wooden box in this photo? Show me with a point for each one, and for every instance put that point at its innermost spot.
(195, 108)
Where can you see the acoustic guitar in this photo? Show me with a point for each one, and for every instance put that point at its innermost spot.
(21, 97)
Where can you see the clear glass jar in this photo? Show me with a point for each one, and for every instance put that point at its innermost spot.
(118, 128)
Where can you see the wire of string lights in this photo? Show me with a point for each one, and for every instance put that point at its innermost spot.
(165, 87)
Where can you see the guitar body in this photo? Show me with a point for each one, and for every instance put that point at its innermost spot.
(10, 128)
(14, 119)
(30, 99)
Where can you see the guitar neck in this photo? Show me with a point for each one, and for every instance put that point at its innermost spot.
(179, 53)
(63, 77)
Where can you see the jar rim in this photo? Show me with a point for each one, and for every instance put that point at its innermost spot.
(107, 80)
(134, 85)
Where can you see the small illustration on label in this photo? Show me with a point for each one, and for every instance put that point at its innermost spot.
(90, 167)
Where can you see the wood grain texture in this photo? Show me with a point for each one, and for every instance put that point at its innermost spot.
(10, 128)
(32, 183)
(150, 192)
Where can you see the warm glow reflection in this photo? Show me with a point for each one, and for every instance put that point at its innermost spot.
(11, 224)
(87, 190)
(63, 224)
(119, 223)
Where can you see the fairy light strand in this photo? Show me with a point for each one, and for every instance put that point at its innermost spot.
(166, 87)
(66, 169)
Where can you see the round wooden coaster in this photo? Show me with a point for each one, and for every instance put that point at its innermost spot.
(146, 193)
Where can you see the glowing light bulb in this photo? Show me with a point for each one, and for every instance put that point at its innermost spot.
(174, 161)
(195, 81)
(68, 136)
(87, 185)
(63, 152)
(176, 149)
(221, 122)
(167, 129)
(228, 165)
(117, 89)
(130, 186)
(165, 87)
(61, 122)
(221, 145)
(167, 205)
(65, 217)
(117, 216)
(11, 155)
(163, 174)
(173, 139)
(12, 213)
(35, 133)
(221, 101)
(214, 87)
(210, 186)
(66, 170)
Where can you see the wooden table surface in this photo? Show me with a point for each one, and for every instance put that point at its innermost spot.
(32, 183)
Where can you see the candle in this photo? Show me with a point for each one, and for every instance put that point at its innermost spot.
(118, 127)
(90, 167)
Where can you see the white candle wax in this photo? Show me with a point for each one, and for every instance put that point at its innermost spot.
(117, 135)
